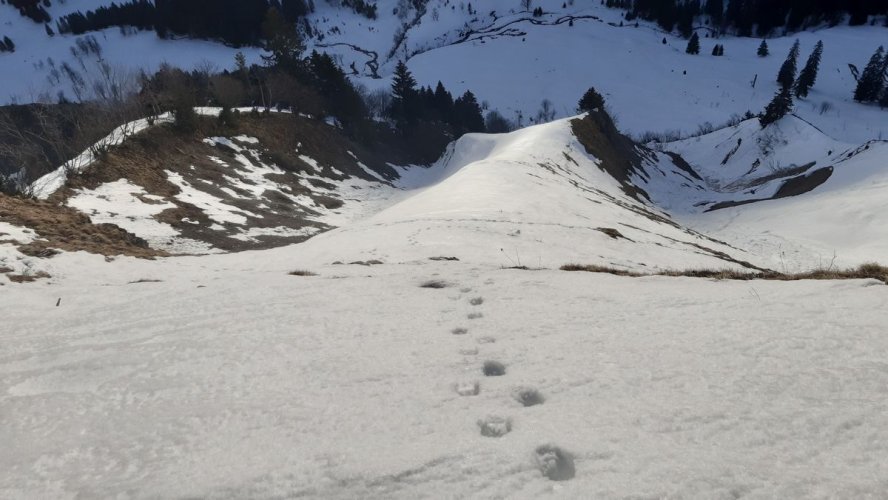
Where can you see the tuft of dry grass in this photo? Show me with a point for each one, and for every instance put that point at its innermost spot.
(27, 278)
(302, 272)
(436, 284)
(864, 271)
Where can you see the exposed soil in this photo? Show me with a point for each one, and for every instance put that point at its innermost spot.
(64, 228)
(617, 153)
(865, 271)
(283, 139)
(791, 187)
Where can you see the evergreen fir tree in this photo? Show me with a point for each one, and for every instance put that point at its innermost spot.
(787, 74)
(763, 49)
(9, 45)
(809, 73)
(403, 84)
(779, 107)
(591, 101)
(715, 50)
(871, 81)
(282, 41)
(227, 118)
(467, 114)
(883, 102)
(443, 102)
(403, 96)
(693, 45)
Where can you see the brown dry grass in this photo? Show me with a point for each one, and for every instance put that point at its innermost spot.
(865, 271)
(27, 278)
(62, 227)
(302, 272)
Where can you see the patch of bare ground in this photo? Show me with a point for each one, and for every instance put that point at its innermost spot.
(27, 278)
(619, 155)
(864, 271)
(64, 228)
(283, 140)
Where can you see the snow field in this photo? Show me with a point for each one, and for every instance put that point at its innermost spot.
(654, 387)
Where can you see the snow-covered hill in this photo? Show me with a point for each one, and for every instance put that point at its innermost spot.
(342, 327)
(554, 57)
(790, 194)
(429, 367)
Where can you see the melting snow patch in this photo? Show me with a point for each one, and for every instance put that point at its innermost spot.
(311, 162)
(216, 209)
(284, 232)
(247, 139)
(223, 141)
(130, 207)
(371, 173)
(20, 234)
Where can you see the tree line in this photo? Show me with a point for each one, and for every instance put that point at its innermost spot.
(750, 17)
(234, 22)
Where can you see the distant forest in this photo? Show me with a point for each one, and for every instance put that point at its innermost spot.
(751, 17)
(239, 22)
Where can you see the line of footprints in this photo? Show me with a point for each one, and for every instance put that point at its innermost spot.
(555, 463)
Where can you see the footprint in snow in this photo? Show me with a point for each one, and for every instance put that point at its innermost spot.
(468, 388)
(477, 301)
(495, 426)
(493, 369)
(528, 396)
(555, 463)
(459, 331)
(475, 315)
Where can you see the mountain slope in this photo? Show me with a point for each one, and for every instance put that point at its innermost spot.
(556, 57)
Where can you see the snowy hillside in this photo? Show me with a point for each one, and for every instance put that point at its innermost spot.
(274, 305)
(556, 57)
(429, 366)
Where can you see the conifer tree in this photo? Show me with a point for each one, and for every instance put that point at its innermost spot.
(808, 76)
(763, 49)
(403, 84)
(779, 107)
(872, 80)
(693, 45)
(467, 114)
(715, 50)
(787, 74)
(591, 101)
(443, 101)
(403, 96)
(282, 41)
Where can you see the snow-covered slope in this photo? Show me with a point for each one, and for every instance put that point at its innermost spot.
(226, 376)
(221, 376)
(555, 57)
(790, 194)
(534, 198)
